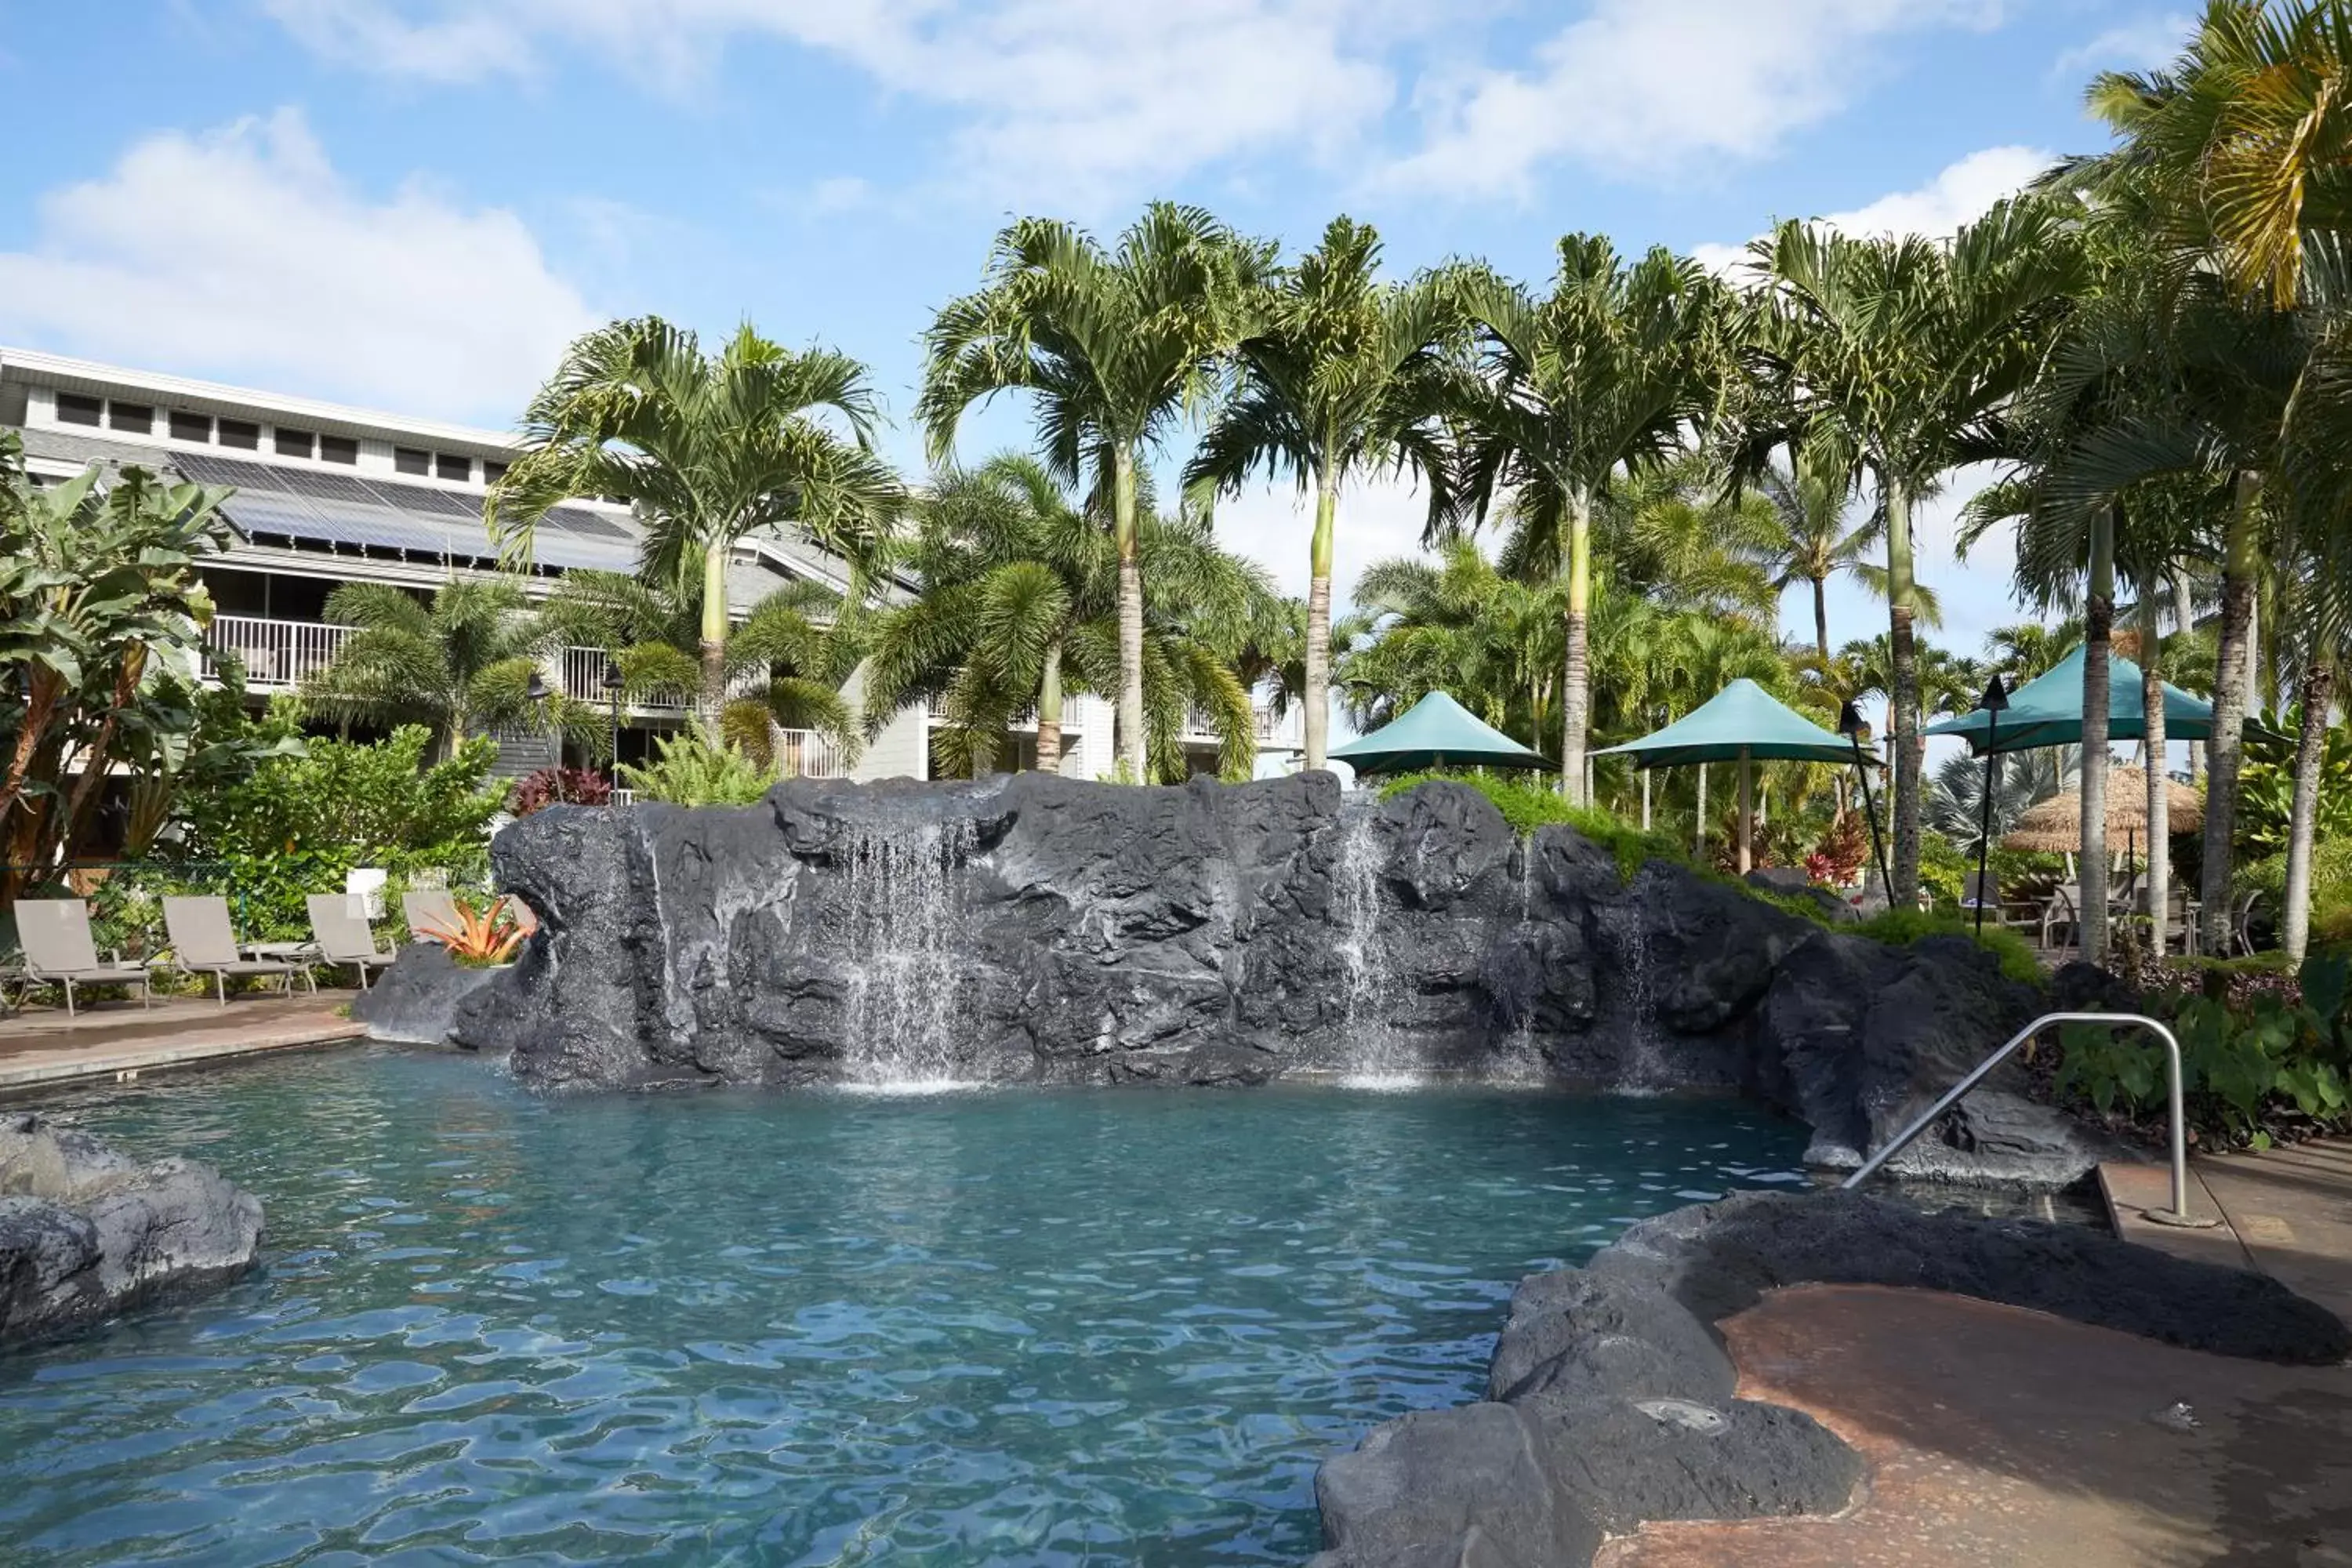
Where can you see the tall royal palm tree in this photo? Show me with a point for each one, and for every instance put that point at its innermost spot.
(709, 449)
(1602, 376)
(1812, 541)
(458, 665)
(1906, 353)
(1342, 375)
(1114, 346)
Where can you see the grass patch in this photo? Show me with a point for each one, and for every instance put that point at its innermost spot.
(1901, 928)
(1527, 806)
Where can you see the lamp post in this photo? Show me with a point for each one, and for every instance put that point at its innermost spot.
(613, 683)
(1851, 726)
(1995, 702)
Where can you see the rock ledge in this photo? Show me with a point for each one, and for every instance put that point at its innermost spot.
(1610, 1399)
(87, 1234)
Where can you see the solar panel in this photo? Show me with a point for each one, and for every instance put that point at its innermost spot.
(588, 525)
(257, 512)
(417, 499)
(551, 549)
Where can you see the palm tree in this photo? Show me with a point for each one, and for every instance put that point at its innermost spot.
(1114, 346)
(1010, 570)
(710, 449)
(1906, 353)
(1343, 375)
(786, 664)
(1810, 542)
(460, 664)
(1602, 376)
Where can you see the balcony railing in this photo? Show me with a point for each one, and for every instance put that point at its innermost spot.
(275, 654)
(580, 672)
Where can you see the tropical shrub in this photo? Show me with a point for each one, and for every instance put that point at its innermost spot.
(376, 801)
(2259, 1050)
(485, 935)
(2266, 785)
(691, 769)
(561, 786)
(1527, 806)
(1900, 928)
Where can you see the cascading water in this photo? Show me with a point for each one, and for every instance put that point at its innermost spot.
(1644, 1071)
(905, 900)
(1372, 1059)
(1522, 1059)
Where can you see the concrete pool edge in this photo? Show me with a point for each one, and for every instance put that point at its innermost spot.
(1612, 1399)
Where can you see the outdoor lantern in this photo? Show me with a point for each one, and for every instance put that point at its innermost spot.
(536, 688)
(1994, 702)
(1851, 726)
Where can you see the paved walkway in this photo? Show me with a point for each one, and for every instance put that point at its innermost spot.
(41, 1048)
(1999, 1437)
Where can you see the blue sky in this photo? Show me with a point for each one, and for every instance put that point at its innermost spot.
(412, 204)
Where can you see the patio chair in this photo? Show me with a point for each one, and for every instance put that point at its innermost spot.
(1987, 890)
(2062, 912)
(203, 943)
(58, 950)
(431, 913)
(343, 934)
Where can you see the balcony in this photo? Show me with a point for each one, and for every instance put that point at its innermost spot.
(277, 654)
(580, 675)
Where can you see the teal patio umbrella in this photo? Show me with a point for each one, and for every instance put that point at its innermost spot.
(2048, 712)
(1435, 732)
(1742, 723)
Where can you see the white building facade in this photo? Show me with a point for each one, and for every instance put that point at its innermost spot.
(325, 494)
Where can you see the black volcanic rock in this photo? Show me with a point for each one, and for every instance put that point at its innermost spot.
(416, 998)
(1611, 1399)
(1035, 928)
(88, 1234)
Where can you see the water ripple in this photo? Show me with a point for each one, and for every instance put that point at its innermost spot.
(1038, 1328)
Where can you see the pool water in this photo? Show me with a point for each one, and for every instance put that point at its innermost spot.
(1025, 1326)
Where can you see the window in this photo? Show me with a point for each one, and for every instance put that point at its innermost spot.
(292, 443)
(241, 433)
(73, 409)
(409, 460)
(451, 466)
(187, 426)
(339, 449)
(492, 472)
(138, 416)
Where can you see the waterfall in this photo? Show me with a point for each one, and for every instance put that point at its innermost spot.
(1371, 1059)
(1522, 1059)
(905, 903)
(1644, 1070)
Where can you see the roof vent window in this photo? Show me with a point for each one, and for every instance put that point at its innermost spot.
(450, 466)
(139, 417)
(339, 449)
(409, 460)
(187, 426)
(241, 433)
(293, 443)
(73, 409)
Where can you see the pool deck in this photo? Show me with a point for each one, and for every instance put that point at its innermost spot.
(41, 1048)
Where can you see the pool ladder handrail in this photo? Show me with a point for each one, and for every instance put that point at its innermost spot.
(2176, 1215)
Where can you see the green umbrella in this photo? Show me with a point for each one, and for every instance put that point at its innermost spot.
(1742, 723)
(2048, 712)
(1437, 731)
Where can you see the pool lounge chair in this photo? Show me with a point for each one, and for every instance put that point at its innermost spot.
(431, 913)
(203, 943)
(337, 921)
(58, 950)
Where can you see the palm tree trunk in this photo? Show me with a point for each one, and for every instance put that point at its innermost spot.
(1129, 731)
(2241, 557)
(2098, 626)
(1698, 831)
(1049, 711)
(1318, 624)
(1575, 699)
(711, 708)
(1902, 600)
(45, 690)
(2159, 788)
(2303, 824)
(1822, 621)
(2184, 621)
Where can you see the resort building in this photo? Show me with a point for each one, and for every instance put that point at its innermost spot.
(327, 494)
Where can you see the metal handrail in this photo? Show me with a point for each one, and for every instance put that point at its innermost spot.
(2176, 1215)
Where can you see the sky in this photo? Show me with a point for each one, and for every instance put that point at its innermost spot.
(414, 205)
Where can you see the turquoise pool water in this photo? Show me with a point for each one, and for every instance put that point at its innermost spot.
(1025, 1326)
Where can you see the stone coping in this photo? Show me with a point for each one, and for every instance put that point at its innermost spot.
(1612, 1399)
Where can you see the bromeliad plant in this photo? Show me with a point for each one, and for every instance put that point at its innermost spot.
(482, 938)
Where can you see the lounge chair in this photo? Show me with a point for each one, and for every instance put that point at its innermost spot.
(431, 913)
(2062, 912)
(203, 943)
(58, 950)
(344, 935)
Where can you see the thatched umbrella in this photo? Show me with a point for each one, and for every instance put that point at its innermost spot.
(2055, 827)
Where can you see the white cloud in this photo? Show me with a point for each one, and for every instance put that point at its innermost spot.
(1272, 524)
(1637, 87)
(1959, 193)
(2137, 46)
(241, 253)
(1084, 99)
